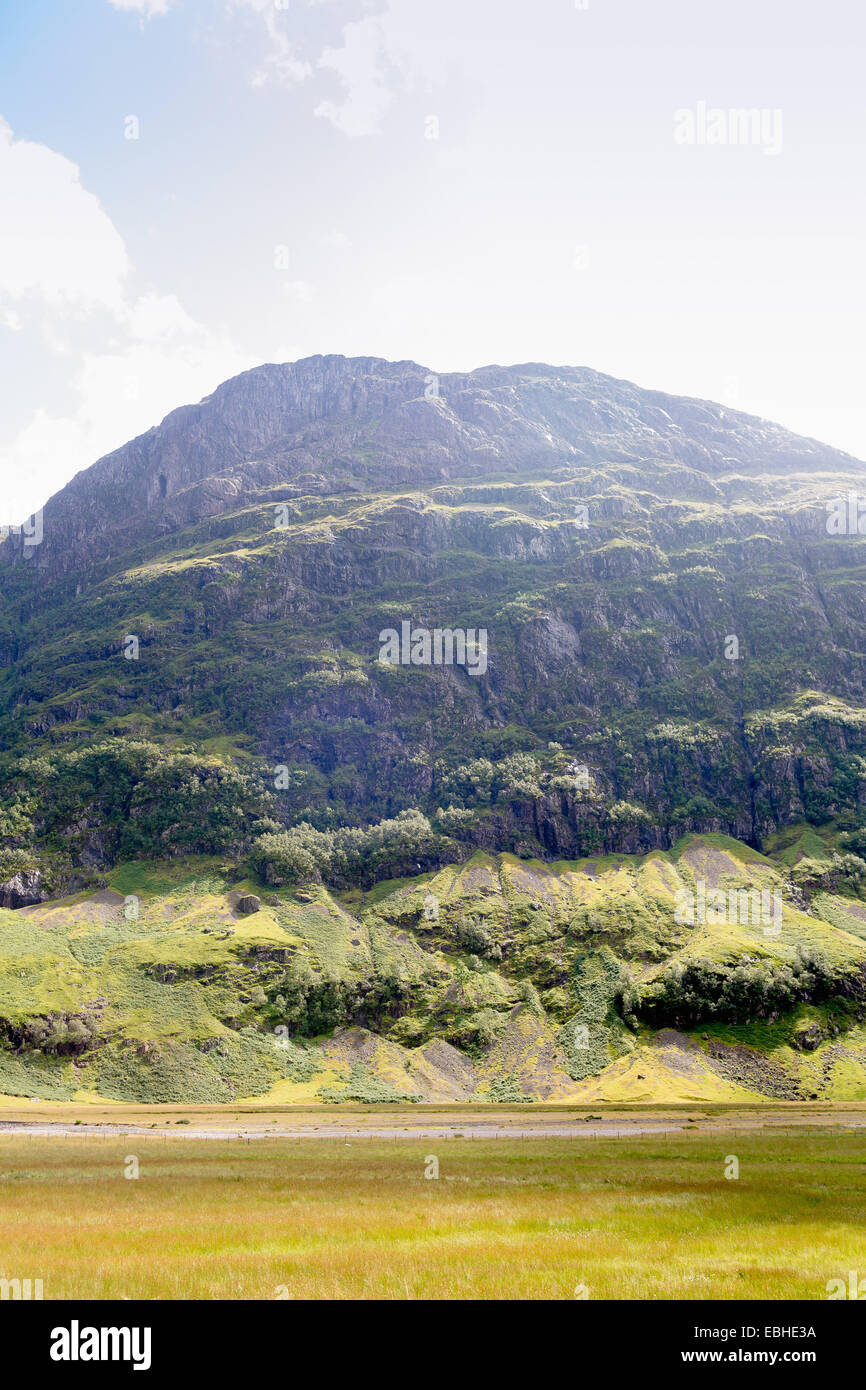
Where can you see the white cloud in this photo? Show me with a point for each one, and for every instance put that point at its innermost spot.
(376, 58)
(146, 7)
(164, 360)
(361, 66)
(301, 290)
(56, 243)
(130, 357)
(159, 318)
(282, 62)
(404, 48)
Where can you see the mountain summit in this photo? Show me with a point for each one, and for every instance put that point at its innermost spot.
(336, 425)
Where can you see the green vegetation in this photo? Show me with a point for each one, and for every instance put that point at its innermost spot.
(649, 1216)
(389, 849)
(685, 996)
(370, 1090)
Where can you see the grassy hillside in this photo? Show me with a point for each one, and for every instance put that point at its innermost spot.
(498, 979)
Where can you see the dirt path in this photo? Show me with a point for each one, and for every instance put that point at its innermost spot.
(477, 1130)
(429, 1127)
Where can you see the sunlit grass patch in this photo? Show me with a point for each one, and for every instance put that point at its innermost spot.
(642, 1217)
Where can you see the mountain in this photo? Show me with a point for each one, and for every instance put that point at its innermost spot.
(207, 676)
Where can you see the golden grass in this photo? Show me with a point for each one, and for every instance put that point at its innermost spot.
(649, 1216)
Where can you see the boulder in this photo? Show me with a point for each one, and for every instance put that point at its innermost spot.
(23, 889)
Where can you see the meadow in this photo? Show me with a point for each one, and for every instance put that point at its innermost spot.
(644, 1216)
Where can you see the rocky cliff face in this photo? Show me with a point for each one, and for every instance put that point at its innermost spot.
(664, 606)
(338, 426)
(23, 889)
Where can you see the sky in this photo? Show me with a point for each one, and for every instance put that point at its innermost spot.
(189, 188)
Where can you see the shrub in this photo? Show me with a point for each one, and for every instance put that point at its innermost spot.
(684, 996)
(840, 871)
(454, 818)
(505, 1090)
(390, 849)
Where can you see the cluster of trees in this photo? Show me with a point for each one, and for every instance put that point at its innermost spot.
(404, 845)
(684, 996)
(14, 861)
(524, 777)
(309, 1003)
(483, 782)
(141, 798)
(59, 1034)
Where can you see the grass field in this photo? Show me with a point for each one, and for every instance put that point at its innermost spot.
(644, 1216)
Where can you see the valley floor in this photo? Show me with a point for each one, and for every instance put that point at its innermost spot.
(436, 1202)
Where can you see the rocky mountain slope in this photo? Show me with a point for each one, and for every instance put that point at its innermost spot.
(611, 542)
(672, 604)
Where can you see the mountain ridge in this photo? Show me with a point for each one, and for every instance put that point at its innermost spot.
(275, 405)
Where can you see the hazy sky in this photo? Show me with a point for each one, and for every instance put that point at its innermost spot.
(459, 182)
